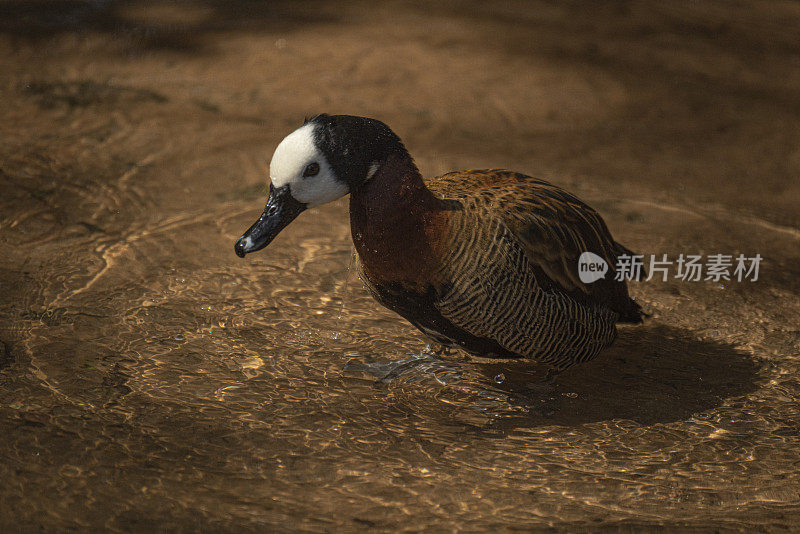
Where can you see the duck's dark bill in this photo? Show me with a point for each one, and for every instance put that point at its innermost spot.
(281, 209)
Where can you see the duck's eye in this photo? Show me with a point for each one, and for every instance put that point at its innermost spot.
(311, 170)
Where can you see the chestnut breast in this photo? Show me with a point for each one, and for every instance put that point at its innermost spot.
(400, 229)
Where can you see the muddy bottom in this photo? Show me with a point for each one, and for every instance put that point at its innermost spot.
(152, 380)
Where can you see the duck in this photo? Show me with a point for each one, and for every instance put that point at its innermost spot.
(485, 261)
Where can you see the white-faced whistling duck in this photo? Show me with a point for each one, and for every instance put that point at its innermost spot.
(486, 261)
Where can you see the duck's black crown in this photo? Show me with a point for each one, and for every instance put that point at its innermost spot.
(352, 144)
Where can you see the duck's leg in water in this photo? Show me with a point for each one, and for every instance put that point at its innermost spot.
(552, 374)
(427, 362)
(547, 385)
(417, 366)
(438, 350)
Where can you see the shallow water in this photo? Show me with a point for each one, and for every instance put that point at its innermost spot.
(149, 379)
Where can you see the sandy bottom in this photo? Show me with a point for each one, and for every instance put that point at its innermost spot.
(150, 379)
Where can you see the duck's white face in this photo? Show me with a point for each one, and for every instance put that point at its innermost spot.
(300, 164)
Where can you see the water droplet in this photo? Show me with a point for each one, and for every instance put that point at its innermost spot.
(500, 378)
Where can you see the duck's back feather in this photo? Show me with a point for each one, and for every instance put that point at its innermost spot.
(553, 228)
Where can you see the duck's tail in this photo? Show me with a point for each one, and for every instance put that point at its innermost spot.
(631, 312)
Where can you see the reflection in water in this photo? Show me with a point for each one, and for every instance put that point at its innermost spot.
(653, 374)
(150, 380)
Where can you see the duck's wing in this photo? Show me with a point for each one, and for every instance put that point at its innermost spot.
(553, 228)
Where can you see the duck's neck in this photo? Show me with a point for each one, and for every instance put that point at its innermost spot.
(393, 220)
